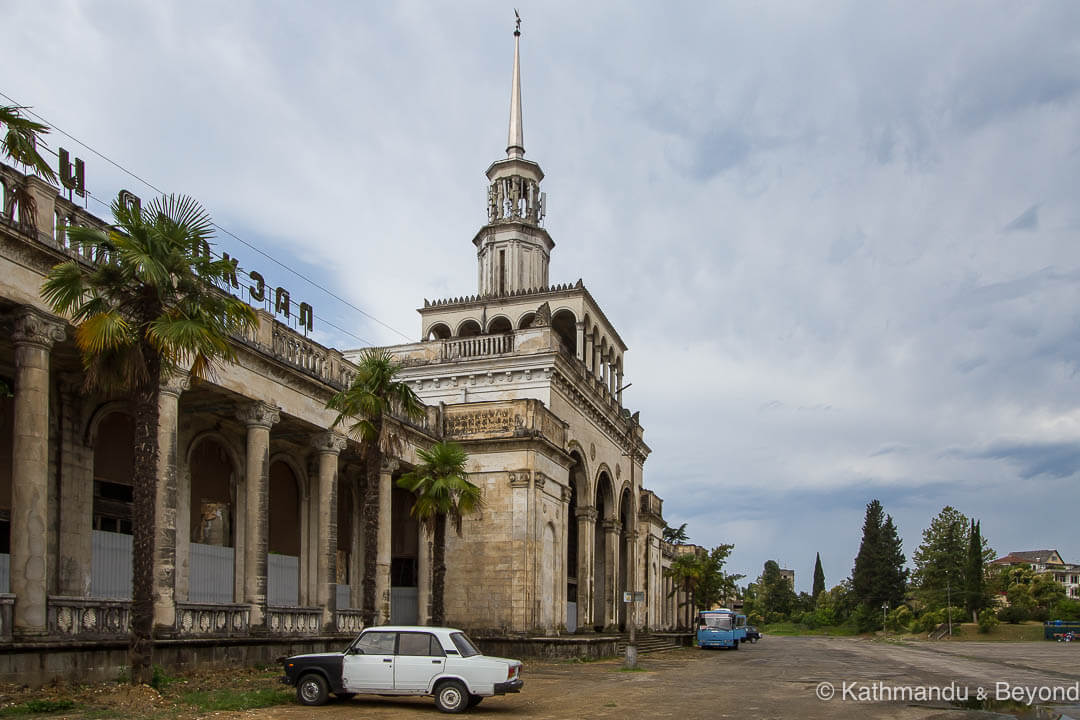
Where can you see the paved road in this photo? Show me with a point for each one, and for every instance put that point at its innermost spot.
(775, 678)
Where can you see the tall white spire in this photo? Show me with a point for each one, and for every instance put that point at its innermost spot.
(515, 142)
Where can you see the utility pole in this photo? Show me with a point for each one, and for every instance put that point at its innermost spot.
(948, 599)
(884, 611)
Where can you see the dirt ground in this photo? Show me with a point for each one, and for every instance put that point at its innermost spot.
(778, 677)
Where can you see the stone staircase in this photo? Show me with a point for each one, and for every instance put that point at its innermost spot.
(647, 644)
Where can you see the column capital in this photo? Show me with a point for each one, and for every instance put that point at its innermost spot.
(389, 465)
(34, 327)
(586, 513)
(258, 414)
(175, 382)
(329, 442)
(611, 526)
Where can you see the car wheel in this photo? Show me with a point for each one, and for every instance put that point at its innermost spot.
(475, 700)
(451, 697)
(311, 690)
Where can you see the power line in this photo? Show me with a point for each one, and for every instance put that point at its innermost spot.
(150, 185)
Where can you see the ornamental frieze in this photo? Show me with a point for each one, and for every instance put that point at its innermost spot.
(483, 422)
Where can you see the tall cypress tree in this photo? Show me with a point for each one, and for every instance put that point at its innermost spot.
(973, 577)
(819, 577)
(879, 575)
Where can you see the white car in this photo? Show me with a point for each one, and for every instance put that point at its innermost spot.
(405, 660)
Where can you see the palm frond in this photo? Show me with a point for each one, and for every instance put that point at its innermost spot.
(64, 288)
(21, 138)
(103, 332)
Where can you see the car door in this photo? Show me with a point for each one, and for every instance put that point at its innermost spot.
(368, 666)
(419, 659)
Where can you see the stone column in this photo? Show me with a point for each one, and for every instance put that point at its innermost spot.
(35, 333)
(76, 491)
(165, 500)
(382, 550)
(328, 445)
(618, 385)
(586, 520)
(259, 417)
(612, 532)
(581, 341)
(423, 574)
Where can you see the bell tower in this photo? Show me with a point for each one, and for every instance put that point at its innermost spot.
(513, 249)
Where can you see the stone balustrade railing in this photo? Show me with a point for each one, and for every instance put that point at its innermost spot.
(349, 621)
(294, 620)
(89, 618)
(207, 619)
(477, 346)
(507, 418)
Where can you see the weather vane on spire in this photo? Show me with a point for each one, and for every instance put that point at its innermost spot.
(517, 22)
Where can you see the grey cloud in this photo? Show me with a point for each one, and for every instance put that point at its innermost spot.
(1027, 220)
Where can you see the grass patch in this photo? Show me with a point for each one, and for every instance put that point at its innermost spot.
(610, 705)
(576, 660)
(1005, 632)
(636, 668)
(792, 629)
(226, 699)
(37, 707)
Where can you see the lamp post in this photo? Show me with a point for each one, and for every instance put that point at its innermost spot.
(948, 600)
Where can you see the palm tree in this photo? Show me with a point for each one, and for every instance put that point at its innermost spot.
(374, 394)
(686, 573)
(442, 491)
(19, 143)
(20, 140)
(148, 308)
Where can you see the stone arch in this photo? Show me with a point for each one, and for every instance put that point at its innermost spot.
(564, 323)
(90, 432)
(210, 485)
(499, 324)
(603, 551)
(438, 331)
(287, 527)
(468, 328)
(113, 469)
(526, 319)
(604, 486)
(573, 447)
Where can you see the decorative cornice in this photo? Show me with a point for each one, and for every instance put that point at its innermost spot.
(258, 414)
(329, 443)
(33, 327)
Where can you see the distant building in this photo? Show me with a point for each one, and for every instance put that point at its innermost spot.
(788, 575)
(1046, 561)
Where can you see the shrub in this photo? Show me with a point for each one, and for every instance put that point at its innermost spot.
(987, 621)
(900, 619)
(1066, 610)
(1014, 614)
(929, 621)
(866, 618)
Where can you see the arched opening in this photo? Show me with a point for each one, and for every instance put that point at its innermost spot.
(469, 328)
(564, 324)
(110, 540)
(574, 569)
(526, 320)
(345, 529)
(500, 324)
(625, 546)
(404, 553)
(283, 561)
(438, 331)
(211, 569)
(601, 553)
(7, 435)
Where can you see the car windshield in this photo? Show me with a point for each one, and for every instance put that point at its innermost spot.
(716, 622)
(464, 645)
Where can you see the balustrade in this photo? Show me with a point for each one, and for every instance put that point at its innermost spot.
(294, 620)
(89, 617)
(477, 346)
(210, 619)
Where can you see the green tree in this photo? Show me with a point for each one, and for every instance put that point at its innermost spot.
(443, 492)
(716, 586)
(777, 594)
(686, 572)
(879, 575)
(675, 536)
(147, 309)
(975, 598)
(943, 563)
(368, 404)
(819, 578)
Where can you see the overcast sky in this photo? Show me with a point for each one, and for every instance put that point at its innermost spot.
(840, 239)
